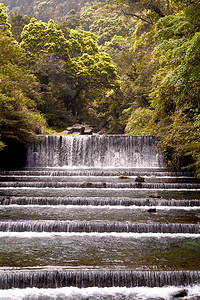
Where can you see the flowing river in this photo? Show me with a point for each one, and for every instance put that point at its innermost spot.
(98, 217)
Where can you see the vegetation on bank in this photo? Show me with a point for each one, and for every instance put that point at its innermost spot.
(19, 117)
(121, 66)
(169, 47)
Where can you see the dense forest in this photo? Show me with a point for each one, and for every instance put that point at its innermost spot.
(122, 66)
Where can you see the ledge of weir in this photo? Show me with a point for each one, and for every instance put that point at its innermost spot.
(91, 268)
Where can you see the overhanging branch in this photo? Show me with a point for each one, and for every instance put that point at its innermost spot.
(136, 16)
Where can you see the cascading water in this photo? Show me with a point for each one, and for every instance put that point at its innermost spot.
(76, 223)
(83, 279)
(95, 151)
(98, 227)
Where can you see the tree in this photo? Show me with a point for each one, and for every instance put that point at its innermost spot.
(19, 120)
(176, 92)
(147, 11)
(17, 22)
(173, 94)
(94, 76)
(45, 9)
(71, 20)
(84, 73)
(4, 25)
(55, 91)
(114, 32)
(40, 38)
(19, 6)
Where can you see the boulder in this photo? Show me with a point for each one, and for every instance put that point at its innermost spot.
(102, 132)
(151, 210)
(180, 294)
(139, 179)
(88, 129)
(154, 195)
(123, 177)
(79, 129)
(89, 185)
(76, 128)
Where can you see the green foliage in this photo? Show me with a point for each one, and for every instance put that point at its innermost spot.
(182, 71)
(140, 122)
(54, 90)
(107, 28)
(18, 21)
(149, 82)
(113, 32)
(14, 75)
(16, 120)
(70, 94)
(40, 38)
(176, 92)
(2, 145)
(108, 25)
(71, 20)
(180, 141)
(146, 11)
(139, 75)
(19, 120)
(73, 74)
(166, 71)
(4, 25)
(45, 10)
(94, 75)
(82, 42)
(19, 6)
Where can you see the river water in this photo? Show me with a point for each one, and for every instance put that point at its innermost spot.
(75, 223)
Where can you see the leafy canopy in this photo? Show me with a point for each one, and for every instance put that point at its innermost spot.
(85, 74)
(40, 38)
(19, 120)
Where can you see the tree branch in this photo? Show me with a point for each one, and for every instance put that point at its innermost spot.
(136, 16)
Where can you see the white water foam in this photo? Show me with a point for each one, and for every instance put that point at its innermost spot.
(27, 234)
(94, 293)
(102, 189)
(111, 207)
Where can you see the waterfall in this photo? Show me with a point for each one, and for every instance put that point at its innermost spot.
(159, 172)
(76, 217)
(83, 279)
(98, 201)
(94, 151)
(100, 185)
(99, 227)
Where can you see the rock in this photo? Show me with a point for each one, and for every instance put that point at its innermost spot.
(76, 128)
(88, 129)
(79, 129)
(102, 132)
(154, 195)
(77, 133)
(151, 210)
(180, 294)
(139, 179)
(69, 129)
(89, 185)
(123, 177)
(65, 132)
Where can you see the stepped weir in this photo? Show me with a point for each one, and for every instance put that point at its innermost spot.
(98, 217)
